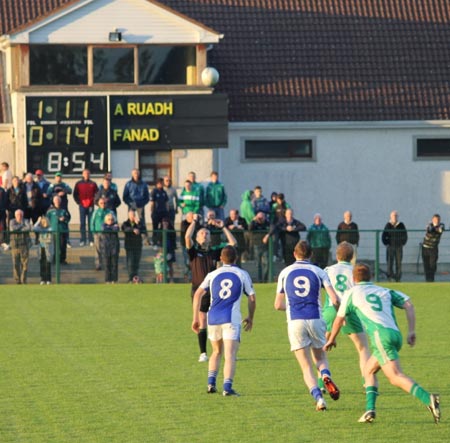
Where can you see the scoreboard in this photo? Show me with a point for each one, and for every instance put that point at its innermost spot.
(67, 134)
(70, 133)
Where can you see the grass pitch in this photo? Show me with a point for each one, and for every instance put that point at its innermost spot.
(118, 363)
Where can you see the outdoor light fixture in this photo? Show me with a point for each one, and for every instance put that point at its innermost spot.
(115, 36)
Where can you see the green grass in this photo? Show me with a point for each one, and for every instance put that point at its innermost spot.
(119, 364)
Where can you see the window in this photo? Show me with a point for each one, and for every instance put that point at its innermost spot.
(113, 65)
(432, 148)
(154, 165)
(279, 150)
(58, 65)
(165, 65)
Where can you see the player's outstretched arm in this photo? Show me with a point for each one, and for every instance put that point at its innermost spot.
(280, 302)
(196, 309)
(411, 319)
(337, 325)
(230, 237)
(248, 321)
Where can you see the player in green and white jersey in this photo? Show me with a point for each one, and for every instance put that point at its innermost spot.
(341, 277)
(374, 307)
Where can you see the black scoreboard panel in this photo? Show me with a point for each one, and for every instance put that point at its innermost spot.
(67, 134)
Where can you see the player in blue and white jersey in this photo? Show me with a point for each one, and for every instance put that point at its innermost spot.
(226, 286)
(374, 306)
(299, 294)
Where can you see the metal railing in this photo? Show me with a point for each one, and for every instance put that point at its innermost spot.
(81, 259)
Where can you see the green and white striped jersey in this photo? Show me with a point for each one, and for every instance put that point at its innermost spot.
(341, 278)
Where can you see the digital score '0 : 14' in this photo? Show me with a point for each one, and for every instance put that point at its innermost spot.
(67, 134)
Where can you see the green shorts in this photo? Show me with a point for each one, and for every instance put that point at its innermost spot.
(352, 323)
(385, 344)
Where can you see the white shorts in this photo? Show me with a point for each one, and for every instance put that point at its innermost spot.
(303, 333)
(226, 331)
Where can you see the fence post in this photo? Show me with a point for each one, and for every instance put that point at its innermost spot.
(58, 254)
(377, 255)
(164, 252)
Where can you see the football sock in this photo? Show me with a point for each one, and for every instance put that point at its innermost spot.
(227, 384)
(325, 373)
(320, 383)
(202, 339)
(212, 376)
(316, 393)
(420, 393)
(371, 397)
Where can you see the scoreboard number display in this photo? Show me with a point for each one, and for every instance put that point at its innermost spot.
(67, 134)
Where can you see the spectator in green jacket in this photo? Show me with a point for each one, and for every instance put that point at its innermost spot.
(320, 241)
(97, 220)
(216, 197)
(59, 221)
(190, 199)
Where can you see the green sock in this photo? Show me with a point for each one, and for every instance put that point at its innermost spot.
(320, 383)
(420, 393)
(371, 397)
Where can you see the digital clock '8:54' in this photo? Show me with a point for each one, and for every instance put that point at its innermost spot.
(67, 134)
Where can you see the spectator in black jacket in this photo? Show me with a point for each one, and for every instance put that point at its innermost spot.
(394, 237)
(134, 231)
(430, 246)
(238, 226)
(109, 194)
(16, 197)
(3, 219)
(289, 228)
(348, 231)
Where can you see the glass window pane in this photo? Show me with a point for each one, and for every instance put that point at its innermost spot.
(58, 65)
(165, 65)
(278, 149)
(113, 65)
(433, 147)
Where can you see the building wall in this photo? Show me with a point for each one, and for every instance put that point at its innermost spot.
(370, 171)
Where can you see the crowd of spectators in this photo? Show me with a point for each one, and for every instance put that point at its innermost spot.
(44, 206)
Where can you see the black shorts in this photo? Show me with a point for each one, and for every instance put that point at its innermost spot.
(205, 301)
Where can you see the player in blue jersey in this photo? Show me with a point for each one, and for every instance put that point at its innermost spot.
(298, 293)
(226, 285)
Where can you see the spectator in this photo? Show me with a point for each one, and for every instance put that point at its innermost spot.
(171, 245)
(260, 203)
(213, 225)
(97, 220)
(394, 237)
(238, 227)
(110, 196)
(159, 209)
(246, 211)
(59, 221)
(159, 263)
(348, 231)
(190, 199)
(278, 210)
(43, 228)
(3, 219)
(6, 176)
(259, 229)
(289, 229)
(112, 185)
(198, 188)
(20, 245)
(110, 246)
(43, 184)
(84, 196)
(134, 231)
(173, 198)
(136, 196)
(430, 247)
(61, 189)
(215, 196)
(34, 200)
(17, 198)
(320, 241)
